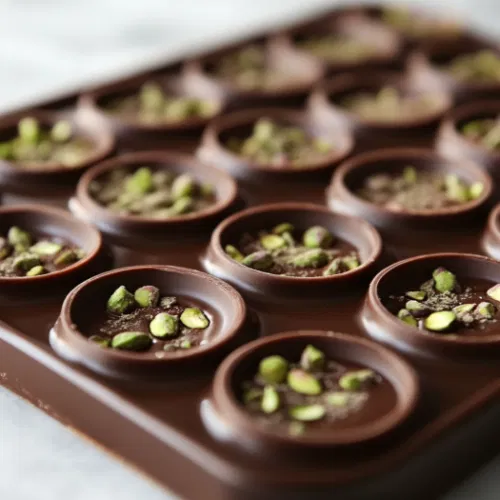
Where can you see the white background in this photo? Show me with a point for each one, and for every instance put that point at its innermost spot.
(49, 45)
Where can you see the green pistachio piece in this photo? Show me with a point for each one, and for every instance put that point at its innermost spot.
(131, 341)
(321, 145)
(36, 271)
(164, 325)
(121, 301)
(339, 399)
(296, 428)
(284, 227)
(147, 296)
(463, 309)
(456, 189)
(168, 302)
(234, 253)
(407, 317)
(303, 382)
(317, 237)
(263, 129)
(311, 258)
(307, 413)
(61, 131)
(416, 308)
(486, 310)
(151, 97)
(270, 400)
(410, 175)
(354, 381)
(183, 185)
(5, 248)
(272, 242)
(26, 261)
(440, 321)
(273, 369)
(6, 150)
(416, 295)
(351, 262)
(312, 359)
(29, 130)
(182, 205)
(18, 238)
(444, 280)
(207, 190)
(252, 394)
(46, 248)
(494, 292)
(67, 257)
(185, 344)
(100, 341)
(260, 260)
(192, 317)
(335, 267)
(140, 182)
(476, 189)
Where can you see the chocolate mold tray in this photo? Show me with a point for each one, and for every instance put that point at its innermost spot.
(175, 415)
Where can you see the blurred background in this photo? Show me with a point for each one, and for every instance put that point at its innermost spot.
(51, 46)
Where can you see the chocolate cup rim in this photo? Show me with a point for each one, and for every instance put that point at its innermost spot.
(211, 139)
(430, 339)
(321, 97)
(230, 409)
(165, 156)
(450, 121)
(492, 233)
(90, 100)
(197, 66)
(54, 213)
(89, 350)
(215, 243)
(359, 161)
(103, 138)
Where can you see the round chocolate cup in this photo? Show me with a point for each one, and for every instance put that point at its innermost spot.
(425, 67)
(370, 134)
(242, 364)
(491, 238)
(453, 144)
(95, 100)
(355, 231)
(388, 44)
(132, 230)
(280, 56)
(53, 179)
(240, 124)
(417, 227)
(53, 222)
(385, 327)
(224, 304)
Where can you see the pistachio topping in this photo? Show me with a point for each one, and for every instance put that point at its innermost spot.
(121, 300)
(164, 325)
(309, 413)
(304, 383)
(494, 292)
(317, 237)
(406, 316)
(312, 359)
(273, 369)
(131, 341)
(440, 321)
(270, 399)
(477, 67)
(354, 381)
(100, 341)
(147, 296)
(484, 132)
(192, 317)
(338, 49)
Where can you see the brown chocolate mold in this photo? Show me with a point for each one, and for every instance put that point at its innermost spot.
(425, 68)
(131, 229)
(224, 304)
(491, 238)
(280, 56)
(242, 365)
(445, 226)
(453, 144)
(53, 179)
(39, 219)
(240, 124)
(386, 327)
(176, 84)
(324, 106)
(355, 231)
(388, 44)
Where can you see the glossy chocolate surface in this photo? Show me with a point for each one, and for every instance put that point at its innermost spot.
(165, 415)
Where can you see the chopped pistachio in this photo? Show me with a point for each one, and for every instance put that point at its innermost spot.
(273, 369)
(270, 400)
(183, 185)
(311, 258)
(494, 292)
(486, 310)
(5, 248)
(29, 130)
(252, 394)
(46, 248)
(417, 295)
(192, 317)
(354, 381)
(308, 413)
(164, 325)
(333, 268)
(406, 316)
(312, 359)
(61, 131)
(296, 428)
(131, 341)
(26, 261)
(463, 309)
(260, 260)
(339, 399)
(234, 253)
(66, 257)
(444, 280)
(476, 189)
(185, 344)
(303, 382)
(36, 271)
(272, 242)
(284, 227)
(351, 262)
(18, 238)
(317, 237)
(121, 301)
(100, 341)
(168, 302)
(416, 308)
(410, 175)
(440, 321)
(147, 296)
(182, 205)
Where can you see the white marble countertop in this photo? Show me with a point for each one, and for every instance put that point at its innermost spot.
(54, 45)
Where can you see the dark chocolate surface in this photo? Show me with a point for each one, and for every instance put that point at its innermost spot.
(161, 426)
